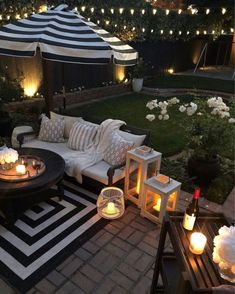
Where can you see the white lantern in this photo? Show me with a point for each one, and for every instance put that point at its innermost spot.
(139, 167)
(110, 203)
(160, 194)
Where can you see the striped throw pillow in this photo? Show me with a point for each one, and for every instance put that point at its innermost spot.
(81, 136)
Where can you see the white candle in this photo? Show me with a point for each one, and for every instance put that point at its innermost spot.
(197, 243)
(158, 205)
(20, 169)
(111, 209)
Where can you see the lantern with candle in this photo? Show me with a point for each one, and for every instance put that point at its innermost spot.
(141, 164)
(110, 203)
(160, 194)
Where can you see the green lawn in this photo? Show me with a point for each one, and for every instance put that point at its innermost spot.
(166, 136)
(180, 81)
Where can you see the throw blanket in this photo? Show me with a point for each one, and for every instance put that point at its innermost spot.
(76, 162)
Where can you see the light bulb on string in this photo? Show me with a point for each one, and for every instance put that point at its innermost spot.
(154, 11)
(143, 11)
(132, 11)
(92, 9)
(167, 11)
(161, 31)
(179, 11)
(223, 11)
(207, 11)
(121, 10)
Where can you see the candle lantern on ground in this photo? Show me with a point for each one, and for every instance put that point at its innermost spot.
(160, 194)
(141, 164)
(110, 203)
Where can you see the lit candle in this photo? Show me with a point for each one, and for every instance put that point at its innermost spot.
(111, 209)
(197, 243)
(158, 205)
(20, 169)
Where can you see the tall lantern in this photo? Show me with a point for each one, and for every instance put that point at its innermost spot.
(160, 194)
(139, 167)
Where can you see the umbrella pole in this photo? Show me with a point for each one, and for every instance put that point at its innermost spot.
(47, 68)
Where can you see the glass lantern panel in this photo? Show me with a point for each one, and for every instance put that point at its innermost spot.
(171, 201)
(152, 169)
(134, 178)
(153, 203)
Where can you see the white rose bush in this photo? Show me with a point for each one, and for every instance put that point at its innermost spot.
(224, 252)
(208, 124)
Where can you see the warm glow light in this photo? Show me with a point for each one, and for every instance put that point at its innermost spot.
(143, 30)
(42, 8)
(197, 243)
(179, 11)
(112, 10)
(154, 11)
(138, 182)
(133, 29)
(83, 8)
(111, 209)
(98, 21)
(152, 30)
(204, 32)
(132, 11)
(171, 32)
(20, 169)
(167, 11)
(143, 11)
(92, 9)
(207, 11)
(222, 31)
(197, 32)
(232, 30)
(213, 32)
(121, 10)
(157, 207)
(107, 22)
(17, 16)
(224, 10)
(0, 17)
(161, 32)
(89, 19)
(170, 70)
(124, 27)
(188, 32)
(30, 90)
(102, 10)
(180, 32)
(26, 15)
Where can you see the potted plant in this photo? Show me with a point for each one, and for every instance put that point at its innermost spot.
(209, 130)
(138, 74)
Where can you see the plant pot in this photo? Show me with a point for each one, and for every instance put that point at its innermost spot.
(137, 84)
(203, 170)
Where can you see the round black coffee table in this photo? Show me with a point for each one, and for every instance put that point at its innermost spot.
(16, 197)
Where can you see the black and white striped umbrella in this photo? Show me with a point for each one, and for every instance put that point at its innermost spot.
(64, 35)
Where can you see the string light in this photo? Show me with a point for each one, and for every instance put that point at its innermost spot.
(171, 32)
(83, 8)
(152, 30)
(143, 11)
(88, 19)
(213, 32)
(92, 9)
(132, 11)
(107, 22)
(179, 11)
(17, 16)
(154, 11)
(98, 21)
(133, 29)
(102, 10)
(204, 32)
(8, 17)
(223, 10)
(26, 15)
(207, 11)
(143, 30)
(180, 32)
(188, 32)
(112, 10)
(115, 25)
(161, 32)
(167, 11)
(124, 27)
(232, 30)
(121, 10)
(197, 32)
(0, 17)
(222, 31)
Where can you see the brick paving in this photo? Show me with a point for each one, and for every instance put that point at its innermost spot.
(118, 259)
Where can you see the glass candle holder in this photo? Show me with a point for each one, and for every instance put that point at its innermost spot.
(197, 243)
(110, 203)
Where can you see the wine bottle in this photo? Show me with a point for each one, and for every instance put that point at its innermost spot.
(192, 211)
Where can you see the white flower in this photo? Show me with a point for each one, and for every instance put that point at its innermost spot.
(173, 101)
(199, 114)
(150, 105)
(164, 111)
(166, 117)
(224, 114)
(160, 117)
(150, 117)
(8, 155)
(231, 120)
(182, 108)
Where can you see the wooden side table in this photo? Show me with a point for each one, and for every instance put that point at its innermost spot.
(181, 270)
(139, 167)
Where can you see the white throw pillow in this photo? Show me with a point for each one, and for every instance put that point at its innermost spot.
(116, 152)
(51, 130)
(81, 136)
(137, 139)
(69, 121)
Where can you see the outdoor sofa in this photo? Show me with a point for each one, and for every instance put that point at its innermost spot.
(101, 172)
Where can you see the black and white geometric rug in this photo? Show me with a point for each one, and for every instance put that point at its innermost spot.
(44, 236)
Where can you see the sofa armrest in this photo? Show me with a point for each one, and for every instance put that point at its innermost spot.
(21, 137)
(111, 171)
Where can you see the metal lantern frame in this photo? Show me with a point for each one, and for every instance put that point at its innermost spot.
(141, 165)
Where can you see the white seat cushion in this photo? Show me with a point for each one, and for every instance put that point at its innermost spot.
(136, 139)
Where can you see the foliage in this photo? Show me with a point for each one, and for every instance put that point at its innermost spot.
(139, 70)
(10, 89)
(209, 130)
(123, 24)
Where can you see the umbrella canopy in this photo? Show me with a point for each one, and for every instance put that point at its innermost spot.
(64, 35)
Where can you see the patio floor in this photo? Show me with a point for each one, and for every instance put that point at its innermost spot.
(118, 259)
